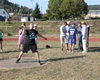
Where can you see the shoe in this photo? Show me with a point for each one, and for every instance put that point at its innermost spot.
(1, 50)
(40, 62)
(84, 51)
(18, 60)
(72, 51)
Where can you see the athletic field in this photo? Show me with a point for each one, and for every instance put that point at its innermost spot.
(60, 65)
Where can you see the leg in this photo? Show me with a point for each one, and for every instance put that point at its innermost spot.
(70, 48)
(20, 55)
(67, 46)
(61, 46)
(38, 57)
(84, 45)
(79, 44)
(73, 47)
(61, 40)
(19, 46)
(1, 47)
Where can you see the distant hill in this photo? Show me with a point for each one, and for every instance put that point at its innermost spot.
(11, 7)
(94, 7)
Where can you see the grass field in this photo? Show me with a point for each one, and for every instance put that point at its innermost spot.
(61, 65)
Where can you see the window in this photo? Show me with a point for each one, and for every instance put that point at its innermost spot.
(3, 12)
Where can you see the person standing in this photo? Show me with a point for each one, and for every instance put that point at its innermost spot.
(68, 26)
(72, 35)
(29, 43)
(63, 35)
(88, 30)
(21, 37)
(84, 37)
(35, 28)
(1, 40)
(79, 29)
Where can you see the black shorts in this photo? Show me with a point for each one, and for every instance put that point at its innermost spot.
(27, 47)
(1, 39)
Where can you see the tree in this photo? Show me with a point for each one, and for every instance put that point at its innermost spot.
(53, 8)
(62, 9)
(36, 12)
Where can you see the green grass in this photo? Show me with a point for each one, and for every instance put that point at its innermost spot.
(61, 65)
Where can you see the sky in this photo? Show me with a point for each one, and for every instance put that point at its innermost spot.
(43, 4)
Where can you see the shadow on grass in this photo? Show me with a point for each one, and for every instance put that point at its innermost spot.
(94, 49)
(66, 58)
(5, 52)
(48, 48)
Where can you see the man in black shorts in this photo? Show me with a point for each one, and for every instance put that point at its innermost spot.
(30, 42)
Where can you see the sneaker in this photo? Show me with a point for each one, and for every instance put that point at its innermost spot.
(18, 60)
(84, 51)
(40, 63)
(72, 51)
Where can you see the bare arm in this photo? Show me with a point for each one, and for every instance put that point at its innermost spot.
(41, 36)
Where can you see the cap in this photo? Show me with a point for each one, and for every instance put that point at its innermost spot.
(73, 25)
(35, 25)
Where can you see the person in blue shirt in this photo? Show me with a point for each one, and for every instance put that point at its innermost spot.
(72, 35)
(79, 29)
(63, 35)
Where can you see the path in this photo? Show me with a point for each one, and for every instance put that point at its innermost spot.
(53, 39)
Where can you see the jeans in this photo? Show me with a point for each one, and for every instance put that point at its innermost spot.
(80, 43)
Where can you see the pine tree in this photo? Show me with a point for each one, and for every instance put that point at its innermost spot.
(36, 12)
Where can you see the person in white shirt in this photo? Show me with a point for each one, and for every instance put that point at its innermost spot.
(63, 32)
(84, 37)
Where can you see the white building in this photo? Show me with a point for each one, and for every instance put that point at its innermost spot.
(93, 14)
(4, 13)
(27, 19)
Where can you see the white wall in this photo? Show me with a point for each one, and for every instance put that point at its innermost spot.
(25, 19)
(4, 13)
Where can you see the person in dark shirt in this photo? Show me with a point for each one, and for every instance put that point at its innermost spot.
(29, 43)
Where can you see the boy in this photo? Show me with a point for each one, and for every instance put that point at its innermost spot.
(72, 34)
(30, 42)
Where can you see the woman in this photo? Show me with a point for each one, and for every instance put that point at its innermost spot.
(21, 37)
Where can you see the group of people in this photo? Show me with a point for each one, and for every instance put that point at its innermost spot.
(28, 38)
(69, 34)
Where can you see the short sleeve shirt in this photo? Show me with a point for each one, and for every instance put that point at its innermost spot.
(72, 32)
(79, 29)
(30, 36)
(62, 28)
(0, 34)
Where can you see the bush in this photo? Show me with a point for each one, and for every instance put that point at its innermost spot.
(92, 31)
(9, 34)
